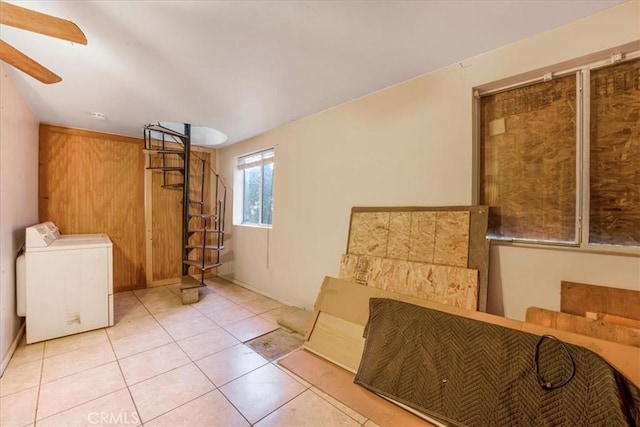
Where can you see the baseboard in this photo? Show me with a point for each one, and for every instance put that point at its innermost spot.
(12, 349)
(258, 291)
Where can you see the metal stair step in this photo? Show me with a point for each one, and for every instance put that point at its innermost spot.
(188, 282)
(178, 186)
(208, 230)
(211, 215)
(163, 151)
(166, 168)
(198, 264)
(209, 247)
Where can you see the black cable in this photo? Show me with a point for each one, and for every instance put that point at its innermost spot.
(546, 385)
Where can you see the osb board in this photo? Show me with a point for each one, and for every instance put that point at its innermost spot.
(447, 235)
(528, 160)
(350, 303)
(435, 237)
(167, 214)
(91, 182)
(584, 326)
(578, 298)
(338, 383)
(615, 155)
(455, 286)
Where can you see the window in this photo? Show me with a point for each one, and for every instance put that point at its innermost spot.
(256, 173)
(560, 158)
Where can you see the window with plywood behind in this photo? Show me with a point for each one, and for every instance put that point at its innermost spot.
(92, 182)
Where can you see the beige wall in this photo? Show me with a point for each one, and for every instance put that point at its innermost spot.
(410, 144)
(18, 198)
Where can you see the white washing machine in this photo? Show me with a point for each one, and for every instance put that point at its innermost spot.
(64, 282)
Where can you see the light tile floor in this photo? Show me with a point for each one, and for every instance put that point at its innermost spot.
(165, 364)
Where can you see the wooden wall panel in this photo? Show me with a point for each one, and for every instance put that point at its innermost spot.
(92, 182)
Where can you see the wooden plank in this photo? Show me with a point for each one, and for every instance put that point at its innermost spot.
(584, 326)
(350, 302)
(610, 318)
(578, 298)
(339, 338)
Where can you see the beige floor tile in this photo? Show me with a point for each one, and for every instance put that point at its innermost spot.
(229, 315)
(124, 328)
(341, 406)
(74, 342)
(79, 360)
(19, 409)
(291, 374)
(168, 391)
(307, 409)
(261, 391)
(26, 353)
(190, 327)
(237, 294)
(213, 304)
(129, 312)
(370, 423)
(159, 306)
(216, 283)
(124, 299)
(272, 315)
(153, 294)
(230, 364)
(207, 343)
(250, 328)
(176, 314)
(261, 304)
(20, 377)
(143, 341)
(147, 364)
(114, 409)
(65, 393)
(212, 409)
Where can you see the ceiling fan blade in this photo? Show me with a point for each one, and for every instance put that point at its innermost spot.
(13, 56)
(25, 19)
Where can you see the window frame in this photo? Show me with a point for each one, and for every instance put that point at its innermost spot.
(583, 148)
(267, 156)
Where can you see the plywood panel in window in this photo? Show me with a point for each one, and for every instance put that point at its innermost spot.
(615, 155)
(528, 158)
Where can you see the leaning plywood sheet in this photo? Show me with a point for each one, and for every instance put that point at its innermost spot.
(456, 286)
(584, 326)
(348, 304)
(452, 236)
(578, 298)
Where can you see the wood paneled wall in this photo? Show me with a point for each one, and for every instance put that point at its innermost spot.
(93, 182)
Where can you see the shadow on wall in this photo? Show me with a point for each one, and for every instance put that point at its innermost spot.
(495, 297)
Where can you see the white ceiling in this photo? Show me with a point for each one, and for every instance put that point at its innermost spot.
(245, 67)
